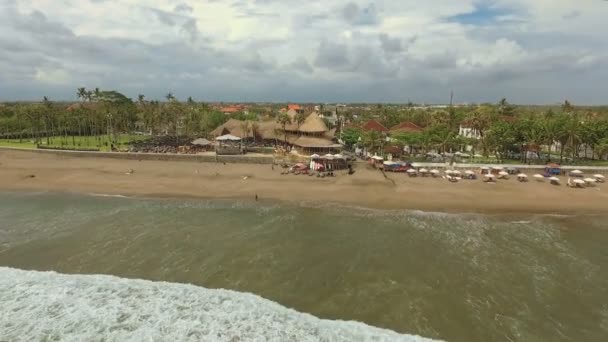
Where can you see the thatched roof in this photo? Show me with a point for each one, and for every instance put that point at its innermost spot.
(267, 130)
(313, 124)
(231, 126)
(311, 142)
(330, 134)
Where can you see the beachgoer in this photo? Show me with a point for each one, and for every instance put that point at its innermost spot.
(256, 197)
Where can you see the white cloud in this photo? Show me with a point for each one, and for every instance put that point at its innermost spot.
(356, 49)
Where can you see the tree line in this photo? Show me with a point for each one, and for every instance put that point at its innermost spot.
(501, 130)
(105, 115)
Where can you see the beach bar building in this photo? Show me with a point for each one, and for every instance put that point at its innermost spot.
(311, 137)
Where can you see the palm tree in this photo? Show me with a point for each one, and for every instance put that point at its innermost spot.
(246, 128)
(299, 119)
(283, 119)
(81, 93)
(255, 130)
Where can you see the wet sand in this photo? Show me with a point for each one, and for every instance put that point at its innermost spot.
(367, 187)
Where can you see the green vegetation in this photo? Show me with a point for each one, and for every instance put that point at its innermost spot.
(507, 133)
(100, 119)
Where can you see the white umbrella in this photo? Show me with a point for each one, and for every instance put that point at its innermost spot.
(228, 137)
(576, 172)
(315, 156)
(498, 168)
(434, 171)
(339, 156)
(424, 170)
(377, 158)
(448, 172)
(490, 176)
(578, 181)
(590, 180)
(599, 177)
(455, 172)
(539, 176)
(554, 179)
(469, 172)
(503, 173)
(478, 156)
(328, 156)
(412, 171)
(522, 175)
(485, 168)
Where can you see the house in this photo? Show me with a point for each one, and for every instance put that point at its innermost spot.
(233, 109)
(373, 125)
(406, 127)
(295, 107)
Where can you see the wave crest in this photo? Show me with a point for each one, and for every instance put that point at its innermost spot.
(48, 305)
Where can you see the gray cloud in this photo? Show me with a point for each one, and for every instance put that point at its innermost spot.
(318, 53)
(332, 56)
(183, 8)
(355, 15)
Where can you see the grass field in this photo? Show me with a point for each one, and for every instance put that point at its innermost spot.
(85, 142)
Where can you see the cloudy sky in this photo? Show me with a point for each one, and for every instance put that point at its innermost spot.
(540, 51)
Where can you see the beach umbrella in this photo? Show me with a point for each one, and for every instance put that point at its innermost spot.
(498, 168)
(522, 175)
(539, 176)
(412, 171)
(477, 155)
(489, 176)
(339, 156)
(328, 156)
(485, 168)
(448, 172)
(377, 158)
(578, 181)
(576, 173)
(315, 156)
(599, 176)
(590, 180)
(424, 170)
(455, 172)
(434, 171)
(469, 172)
(554, 180)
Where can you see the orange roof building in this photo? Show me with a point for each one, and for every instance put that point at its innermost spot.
(406, 127)
(373, 125)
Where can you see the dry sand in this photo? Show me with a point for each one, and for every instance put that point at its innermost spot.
(367, 187)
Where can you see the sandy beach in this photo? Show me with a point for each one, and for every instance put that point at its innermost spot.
(367, 187)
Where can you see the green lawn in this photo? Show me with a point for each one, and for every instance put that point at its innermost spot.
(85, 142)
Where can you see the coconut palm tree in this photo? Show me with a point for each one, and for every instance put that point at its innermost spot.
(255, 127)
(283, 119)
(299, 119)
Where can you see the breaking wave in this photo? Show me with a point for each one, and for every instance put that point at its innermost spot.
(50, 306)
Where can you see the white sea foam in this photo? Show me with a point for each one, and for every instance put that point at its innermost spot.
(108, 195)
(37, 306)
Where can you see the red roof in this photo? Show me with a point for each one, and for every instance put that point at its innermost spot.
(294, 107)
(373, 125)
(232, 109)
(408, 127)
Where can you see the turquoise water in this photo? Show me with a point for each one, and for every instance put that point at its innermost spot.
(453, 277)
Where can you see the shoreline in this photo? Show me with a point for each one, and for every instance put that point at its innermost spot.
(366, 188)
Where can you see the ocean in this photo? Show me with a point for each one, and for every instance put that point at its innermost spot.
(95, 267)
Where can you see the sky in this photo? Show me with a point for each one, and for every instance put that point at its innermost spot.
(530, 52)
